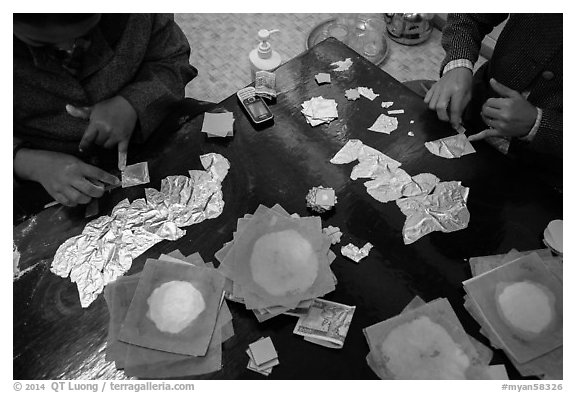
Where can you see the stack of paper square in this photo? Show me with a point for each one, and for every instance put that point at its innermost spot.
(277, 263)
(426, 341)
(517, 300)
(218, 124)
(318, 110)
(263, 356)
(170, 320)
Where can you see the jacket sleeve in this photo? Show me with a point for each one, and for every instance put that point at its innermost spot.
(463, 34)
(162, 76)
(548, 138)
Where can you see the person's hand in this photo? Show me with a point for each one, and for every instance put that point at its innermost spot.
(452, 92)
(509, 116)
(66, 178)
(111, 123)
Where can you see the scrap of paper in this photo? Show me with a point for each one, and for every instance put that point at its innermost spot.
(322, 78)
(319, 110)
(384, 124)
(396, 112)
(265, 84)
(387, 104)
(461, 129)
(333, 234)
(354, 253)
(136, 174)
(454, 146)
(218, 124)
(326, 323)
(352, 94)
(107, 245)
(367, 92)
(342, 65)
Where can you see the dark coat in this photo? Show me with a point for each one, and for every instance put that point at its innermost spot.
(141, 57)
(527, 57)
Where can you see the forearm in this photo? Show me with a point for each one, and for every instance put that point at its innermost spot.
(25, 164)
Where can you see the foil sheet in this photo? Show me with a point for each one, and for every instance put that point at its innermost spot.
(389, 184)
(136, 174)
(454, 146)
(355, 253)
(384, 124)
(342, 65)
(107, 246)
(444, 210)
(354, 150)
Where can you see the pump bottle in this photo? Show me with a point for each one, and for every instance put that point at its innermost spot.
(263, 58)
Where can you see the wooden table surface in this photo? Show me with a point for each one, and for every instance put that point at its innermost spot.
(55, 338)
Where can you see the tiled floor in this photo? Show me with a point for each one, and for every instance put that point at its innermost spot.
(221, 44)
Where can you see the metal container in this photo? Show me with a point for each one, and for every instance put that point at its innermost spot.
(409, 29)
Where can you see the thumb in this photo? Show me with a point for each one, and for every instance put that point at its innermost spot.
(502, 90)
(484, 134)
(79, 112)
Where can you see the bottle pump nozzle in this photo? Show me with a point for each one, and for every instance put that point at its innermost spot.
(265, 49)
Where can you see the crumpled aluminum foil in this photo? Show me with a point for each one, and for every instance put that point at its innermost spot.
(454, 146)
(422, 184)
(444, 210)
(107, 246)
(354, 150)
(355, 253)
(388, 185)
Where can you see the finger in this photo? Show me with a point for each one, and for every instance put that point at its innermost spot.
(490, 122)
(95, 173)
(497, 103)
(79, 112)
(456, 109)
(442, 108)
(504, 91)
(429, 94)
(61, 198)
(89, 137)
(77, 197)
(122, 155)
(88, 188)
(484, 134)
(491, 113)
(109, 143)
